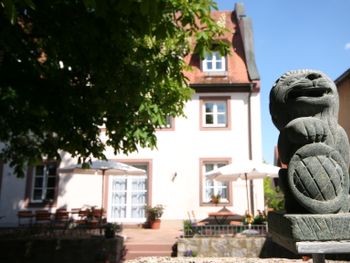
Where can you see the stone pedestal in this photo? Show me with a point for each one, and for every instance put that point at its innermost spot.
(315, 234)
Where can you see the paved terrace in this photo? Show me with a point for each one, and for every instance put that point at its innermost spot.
(167, 234)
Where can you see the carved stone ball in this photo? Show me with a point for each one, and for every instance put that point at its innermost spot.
(316, 178)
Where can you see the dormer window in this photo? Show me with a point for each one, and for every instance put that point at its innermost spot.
(214, 62)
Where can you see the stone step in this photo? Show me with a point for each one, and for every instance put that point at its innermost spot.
(147, 250)
(138, 254)
(149, 247)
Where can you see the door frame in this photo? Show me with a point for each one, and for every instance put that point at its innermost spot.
(148, 163)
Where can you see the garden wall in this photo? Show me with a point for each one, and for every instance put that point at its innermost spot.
(232, 247)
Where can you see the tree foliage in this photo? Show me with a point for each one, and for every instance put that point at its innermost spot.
(70, 67)
(273, 195)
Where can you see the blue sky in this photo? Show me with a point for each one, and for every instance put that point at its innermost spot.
(295, 34)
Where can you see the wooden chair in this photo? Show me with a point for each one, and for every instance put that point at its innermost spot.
(25, 218)
(74, 213)
(42, 217)
(98, 214)
(82, 217)
(81, 222)
(61, 220)
(97, 219)
(43, 221)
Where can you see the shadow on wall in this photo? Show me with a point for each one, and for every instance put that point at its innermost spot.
(61, 188)
(63, 180)
(16, 193)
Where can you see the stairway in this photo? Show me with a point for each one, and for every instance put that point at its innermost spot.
(148, 250)
(141, 242)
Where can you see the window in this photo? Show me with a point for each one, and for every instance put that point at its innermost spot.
(168, 122)
(212, 187)
(214, 62)
(44, 183)
(214, 113)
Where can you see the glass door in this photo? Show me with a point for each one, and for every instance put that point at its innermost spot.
(128, 197)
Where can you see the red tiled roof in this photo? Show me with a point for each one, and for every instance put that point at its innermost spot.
(237, 71)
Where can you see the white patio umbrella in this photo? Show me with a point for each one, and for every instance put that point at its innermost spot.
(103, 167)
(247, 170)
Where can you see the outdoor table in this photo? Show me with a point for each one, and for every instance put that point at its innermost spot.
(221, 216)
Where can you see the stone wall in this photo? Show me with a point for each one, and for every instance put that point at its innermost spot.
(233, 247)
(82, 250)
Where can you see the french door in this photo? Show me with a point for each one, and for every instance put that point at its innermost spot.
(127, 198)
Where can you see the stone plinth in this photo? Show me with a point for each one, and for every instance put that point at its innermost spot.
(311, 233)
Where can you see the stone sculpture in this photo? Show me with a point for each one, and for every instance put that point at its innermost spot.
(315, 149)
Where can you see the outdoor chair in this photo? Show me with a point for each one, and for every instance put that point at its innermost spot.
(43, 221)
(90, 219)
(82, 217)
(97, 219)
(75, 214)
(83, 220)
(61, 220)
(25, 218)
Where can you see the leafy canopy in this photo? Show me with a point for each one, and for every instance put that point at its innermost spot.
(70, 67)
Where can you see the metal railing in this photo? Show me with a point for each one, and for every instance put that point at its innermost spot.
(223, 230)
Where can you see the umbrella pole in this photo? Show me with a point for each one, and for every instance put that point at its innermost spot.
(246, 187)
(103, 182)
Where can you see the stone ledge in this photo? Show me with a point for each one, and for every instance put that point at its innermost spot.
(310, 227)
(311, 233)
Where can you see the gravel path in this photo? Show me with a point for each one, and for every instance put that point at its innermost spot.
(221, 260)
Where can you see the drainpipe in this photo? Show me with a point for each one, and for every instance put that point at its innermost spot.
(250, 123)
(250, 149)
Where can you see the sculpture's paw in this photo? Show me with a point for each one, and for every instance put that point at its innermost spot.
(307, 130)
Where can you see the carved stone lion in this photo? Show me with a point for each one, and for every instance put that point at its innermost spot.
(304, 107)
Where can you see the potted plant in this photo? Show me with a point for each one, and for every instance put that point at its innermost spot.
(188, 228)
(110, 229)
(215, 198)
(153, 215)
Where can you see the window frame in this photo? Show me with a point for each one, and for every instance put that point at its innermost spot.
(203, 113)
(170, 125)
(215, 57)
(138, 163)
(203, 199)
(30, 186)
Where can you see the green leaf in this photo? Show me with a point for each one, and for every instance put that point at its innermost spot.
(145, 7)
(122, 68)
(10, 10)
(30, 4)
(90, 4)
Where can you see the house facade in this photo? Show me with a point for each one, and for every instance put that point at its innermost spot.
(343, 86)
(222, 126)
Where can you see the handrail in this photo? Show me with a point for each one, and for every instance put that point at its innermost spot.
(224, 230)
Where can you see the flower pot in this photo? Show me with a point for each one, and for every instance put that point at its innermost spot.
(155, 224)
